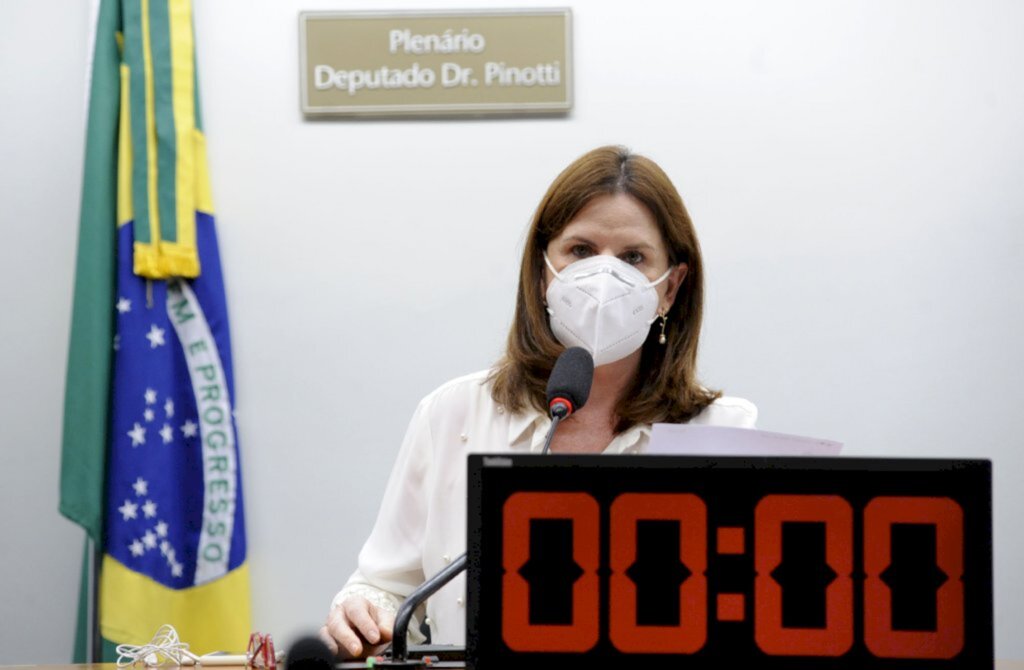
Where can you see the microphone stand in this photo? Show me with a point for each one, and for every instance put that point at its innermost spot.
(399, 645)
(560, 409)
(555, 418)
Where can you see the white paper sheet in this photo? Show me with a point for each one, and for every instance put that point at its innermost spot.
(687, 440)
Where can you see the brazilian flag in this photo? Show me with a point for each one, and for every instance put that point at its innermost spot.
(150, 460)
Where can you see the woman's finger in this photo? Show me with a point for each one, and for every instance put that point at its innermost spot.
(328, 639)
(339, 628)
(358, 612)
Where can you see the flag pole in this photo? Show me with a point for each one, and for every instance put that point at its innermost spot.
(95, 637)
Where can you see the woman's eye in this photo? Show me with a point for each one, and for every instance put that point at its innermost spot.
(633, 257)
(581, 251)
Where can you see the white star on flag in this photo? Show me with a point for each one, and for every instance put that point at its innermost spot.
(149, 539)
(148, 414)
(188, 429)
(169, 408)
(155, 336)
(167, 433)
(136, 548)
(161, 529)
(170, 554)
(149, 509)
(165, 546)
(176, 570)
(129, 510)
(124, 305)
(150, 396)
(138, 435)
(141, 487)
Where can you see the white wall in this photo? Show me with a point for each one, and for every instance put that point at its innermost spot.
(854, 170)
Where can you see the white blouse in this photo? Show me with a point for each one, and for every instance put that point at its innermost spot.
(421, 526)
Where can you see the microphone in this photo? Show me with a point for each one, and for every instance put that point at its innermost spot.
(570, 380)
(309, 653)
(568, 386)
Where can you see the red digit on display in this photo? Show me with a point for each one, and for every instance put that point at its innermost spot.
(691, 633)
(948, 638)
(517, 631)
(836, 638)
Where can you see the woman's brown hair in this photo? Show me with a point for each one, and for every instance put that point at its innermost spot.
(666, 388)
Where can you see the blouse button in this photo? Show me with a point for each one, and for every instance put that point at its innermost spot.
(464, 437)
(446, 558)
(460, 600)
(501, 410)
(427, 621)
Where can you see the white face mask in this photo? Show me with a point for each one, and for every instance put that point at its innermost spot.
(602, 304)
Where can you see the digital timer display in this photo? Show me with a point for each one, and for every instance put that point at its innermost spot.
(770, 562)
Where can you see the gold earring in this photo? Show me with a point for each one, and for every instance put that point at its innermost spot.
(661, 338)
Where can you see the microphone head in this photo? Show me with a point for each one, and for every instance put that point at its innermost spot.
(570, 380)
(309, 653)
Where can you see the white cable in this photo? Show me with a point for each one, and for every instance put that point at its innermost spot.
(164, 649)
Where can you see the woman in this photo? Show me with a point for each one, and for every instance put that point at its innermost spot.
(611, 252)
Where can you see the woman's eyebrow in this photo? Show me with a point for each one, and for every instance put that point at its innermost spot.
(641, 245)
(577, 238)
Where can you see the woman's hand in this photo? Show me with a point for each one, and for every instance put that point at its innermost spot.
(356, 627)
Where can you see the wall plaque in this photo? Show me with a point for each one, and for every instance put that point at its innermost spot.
(437, 63)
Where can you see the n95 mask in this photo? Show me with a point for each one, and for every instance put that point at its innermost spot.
(602, 304)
